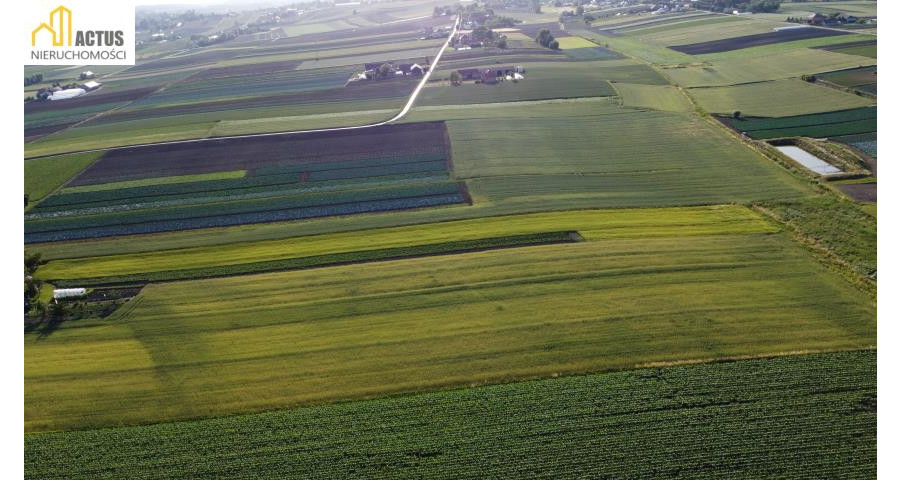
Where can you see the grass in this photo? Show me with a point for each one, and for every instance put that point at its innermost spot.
(783, 65)
(216, 347)
(657, 97)
(44, 175)
(839, 227)
(614, 156)
(145, 182)
(795, 416)
(776, 98)
(593, 224)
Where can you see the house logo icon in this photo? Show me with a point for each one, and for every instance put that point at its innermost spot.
(60, 28)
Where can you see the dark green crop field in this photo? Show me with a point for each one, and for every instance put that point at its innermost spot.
(806, 416)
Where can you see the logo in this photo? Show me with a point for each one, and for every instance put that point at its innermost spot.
(104, 34)
(60, 26)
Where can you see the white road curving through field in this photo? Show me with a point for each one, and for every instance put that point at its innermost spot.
(403, 112)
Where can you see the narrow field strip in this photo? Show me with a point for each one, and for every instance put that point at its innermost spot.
(593, 224)
(447, 248)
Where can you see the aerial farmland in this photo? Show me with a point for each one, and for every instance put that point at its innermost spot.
(427, 239)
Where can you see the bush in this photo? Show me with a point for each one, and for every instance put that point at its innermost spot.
(554, 45)
(736, 114)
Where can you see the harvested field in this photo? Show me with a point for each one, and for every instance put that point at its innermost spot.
(844, 122)
(644, 423)
(746, 41)
(566, 43)
(248, 343)
(776, 98)
(290, 177)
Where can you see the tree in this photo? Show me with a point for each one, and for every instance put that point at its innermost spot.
(543, 37)
(383, 70)
(536, 6)
(502, 43)
(588, 19)
(554, 45)
(579, 10)
(455, 78)
(736, 114)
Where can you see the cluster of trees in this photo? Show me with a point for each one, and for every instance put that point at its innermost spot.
(32, 79)
(32, 285)
(545, 39)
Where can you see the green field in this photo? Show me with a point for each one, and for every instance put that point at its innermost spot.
(789, 64)
(776, 99)
(656, 97)
(44, 175)
(592, 224)
(810, 416)
(249, 343)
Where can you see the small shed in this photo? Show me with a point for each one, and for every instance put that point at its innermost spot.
(816, 19)
(91, 85)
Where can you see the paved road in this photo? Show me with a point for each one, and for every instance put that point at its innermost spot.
(403, 112)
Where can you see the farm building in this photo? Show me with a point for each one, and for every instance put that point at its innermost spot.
(490, 75)
(816, 19)
(67, 93)
(60, 293)
(91, 85)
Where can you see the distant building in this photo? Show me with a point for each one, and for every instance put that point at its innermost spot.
(816, 19)
(91, 85)
(67, 93)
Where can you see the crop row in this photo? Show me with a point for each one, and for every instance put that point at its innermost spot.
(820, 131)
(807, 416)
(290, 178)
(359, 256)
(263, 216)
(301, 200)
(245, 194)
(752, 124)
(258, 152)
